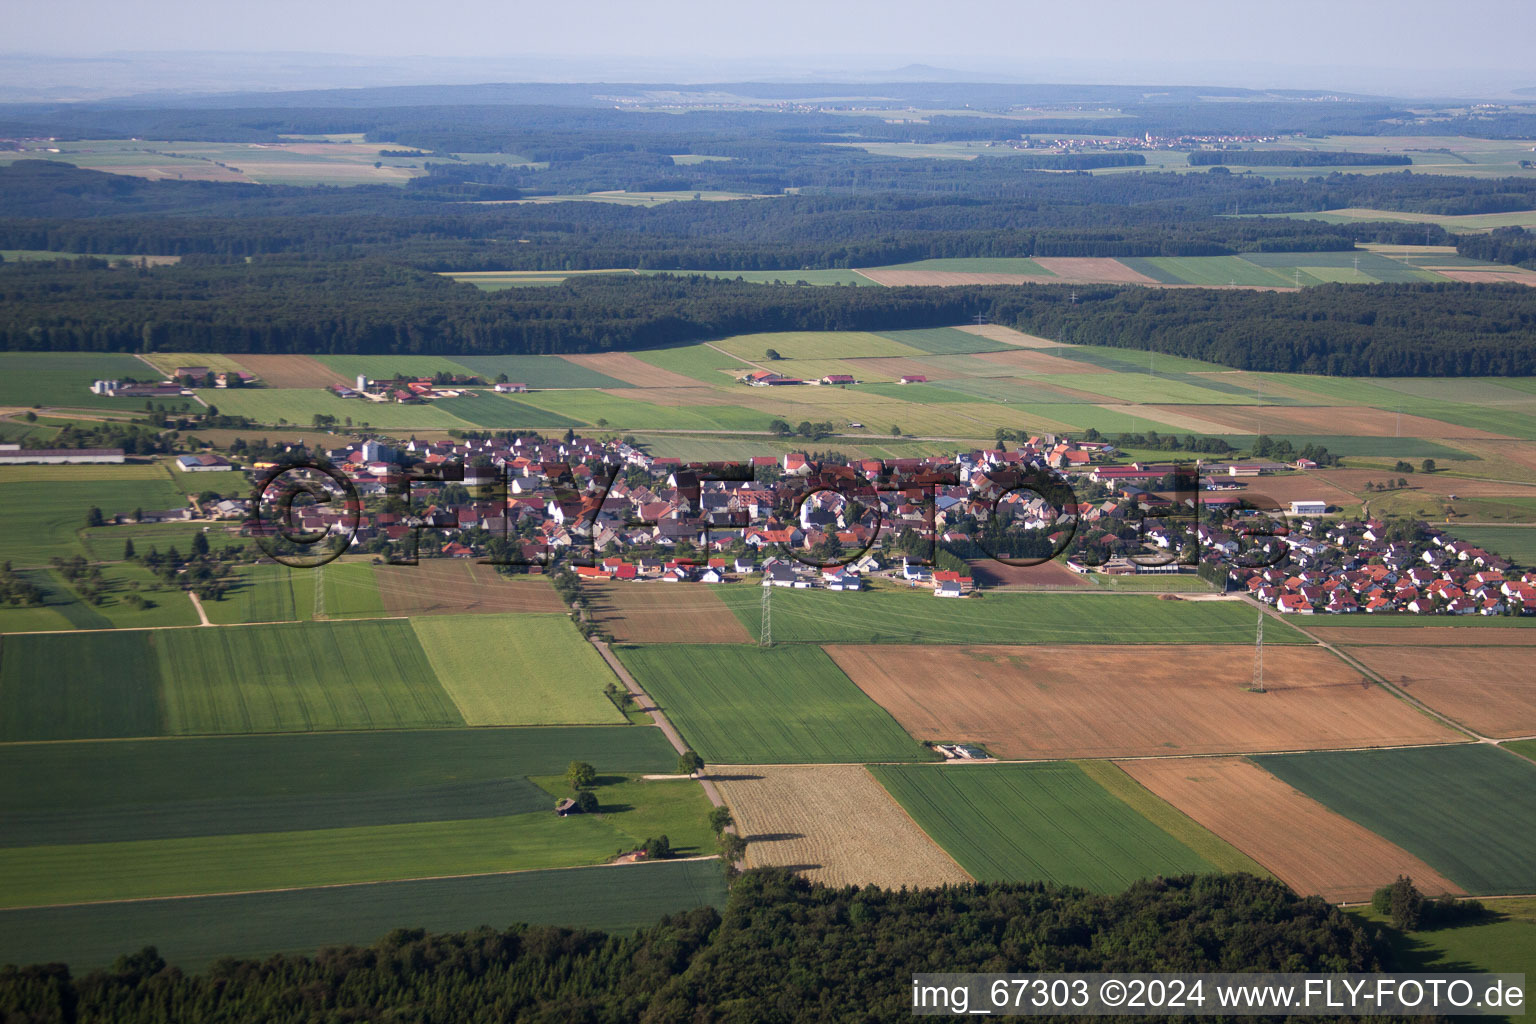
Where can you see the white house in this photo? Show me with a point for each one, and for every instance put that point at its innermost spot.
(1308, 508)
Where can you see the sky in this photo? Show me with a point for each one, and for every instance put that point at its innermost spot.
(1407, 46)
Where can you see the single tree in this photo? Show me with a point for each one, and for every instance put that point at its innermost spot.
(689, 762)
(1428, 465)
(199, 544)
(128, 550)
(586, 802)
(93, 517)
(720, 819)
(772, 354)
(580, 775)
(895, 430)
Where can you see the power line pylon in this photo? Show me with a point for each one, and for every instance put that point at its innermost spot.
(1258, 657)
(765, 638)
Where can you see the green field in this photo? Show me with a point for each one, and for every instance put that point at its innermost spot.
(299, 677)
(540, 371)
(348, 590)
(628, 413)
(79, 686)
(44, 519)
(1516, 543)
(298, 406)
(105, 543)
(1373, 267)
(815, 345)
(1525, 748)
(975, 265)
(1146, 388)
(916, 616)
(193, 932)
(498, 412)
(1037, 823)
(1467, 811)
(64, 379)
(64, 608)
(265, 593)
(1505, 943)
(1205, 270)
(738, 704)
(945, 341)
(700, 362)
(517, 669)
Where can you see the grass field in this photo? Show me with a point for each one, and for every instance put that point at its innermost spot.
(540, 371)
(43, 519)
(299, 677)
(105, 543)
(1468, 811)
(1206, 270)
(1505, 943)
(193, 932)
(942, 341)
(444, 586)
(266, 593)
(815, 345)
(64, 379)
(64, 608)
(1037, 823)
(298, 406)
(517, 669)
(1516, 543)
(79, 686)
(348, 590)
(916, 616)
(743, 705)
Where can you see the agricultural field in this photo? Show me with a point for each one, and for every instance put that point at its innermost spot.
(662, 613)
(265, 593)
(291, 371)
(298, 407)
(901, 616)
(298, 677)
(450, 586)
(64, 379)
(1504, 942)
(1488, 689)
(343, 590)
(834, 824)
(1516, 543)
(737, 704)
(1468, 811)
(192, 933)
(1207, 271)
(1309, 847)
(1036, 823)
(64, 608)
(333, 160)
(111, 688)
(813, 345)
(1105, 701)
(517, 669)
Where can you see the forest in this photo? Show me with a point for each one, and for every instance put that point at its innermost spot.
(782, 950)
(371, 306)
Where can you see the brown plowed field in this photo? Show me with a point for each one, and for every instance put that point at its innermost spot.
(1490, 276)
(1330, 419)
(293, 371)
(835, 824)
(653, 612)
(946, 278)
(1312, 849)
(1491, 690)
(444, 586)
(1008, 336)
(1423, 636)
(989, 573)
(1434, 483)
(1030, 361)
(1115, 701)
(1091, 270)
(632, 370)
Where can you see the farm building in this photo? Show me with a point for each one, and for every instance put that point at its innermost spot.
(913, 378)
(838, 378)
(510, 389)
(13, 455)
(949, 588)
(205, 463)
(1308, 508)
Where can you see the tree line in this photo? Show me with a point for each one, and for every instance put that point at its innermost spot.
(773, 954)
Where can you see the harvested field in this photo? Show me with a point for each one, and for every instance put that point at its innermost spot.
(834, 824)
(440, 586)
(631, 370)
(1331, 419)
(1491, 276)
(1414, 632)
(1092, 270)
(1312, 849)
(1008, 336)
(1032, 361)
(989, 573)
(1491, 690)
(947, 278)
(1301, 486)
(1189, 418)
(1092, 701)
(292, 371)
(665, 613)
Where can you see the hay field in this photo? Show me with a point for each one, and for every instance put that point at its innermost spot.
(1491, 690)
(665, 613)
(1096, 701)
(1008, 336)
(293, 371)
(834, 824)
(1309, 847)
(445, 586)
(813, 345)
(625, 367)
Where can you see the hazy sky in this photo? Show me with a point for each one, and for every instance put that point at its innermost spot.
(1318, 43)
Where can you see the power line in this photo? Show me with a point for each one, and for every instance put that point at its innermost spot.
(1258, 657)
(765, 638)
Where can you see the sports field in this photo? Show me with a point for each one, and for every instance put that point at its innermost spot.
(664, 613)
(738, 704)
(517, 669)
(1468, 811)
(916, 616)
(1107, 701)
(1036, 823)
(834, 824)
(1311, 848)
(192, 933)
